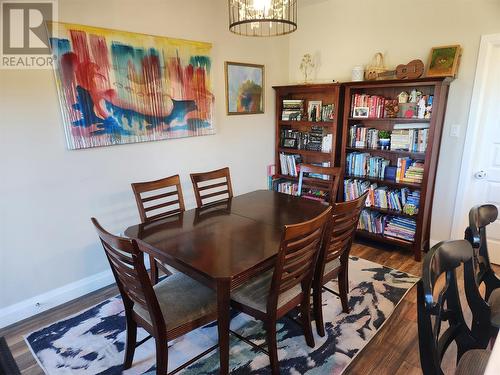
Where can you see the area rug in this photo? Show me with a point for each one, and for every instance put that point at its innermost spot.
(93, 341)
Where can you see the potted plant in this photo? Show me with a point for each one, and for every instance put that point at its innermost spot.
(384, 139)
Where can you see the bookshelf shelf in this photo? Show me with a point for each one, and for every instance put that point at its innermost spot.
(285, 176)
(391, 119)
(377, 151)
(306, 123)
(390, 183)
(385, 239)
(302, 152)
(390, 89)
(391, 212)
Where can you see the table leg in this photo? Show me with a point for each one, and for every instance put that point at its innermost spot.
(223, 317)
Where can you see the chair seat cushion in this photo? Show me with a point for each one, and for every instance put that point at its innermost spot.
(181, 300)
(255, 292)
(494, 302)
(332, 265)
(473, 362)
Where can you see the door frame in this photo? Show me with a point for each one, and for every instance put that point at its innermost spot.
(473, 134)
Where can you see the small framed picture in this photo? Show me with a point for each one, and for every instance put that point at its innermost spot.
(290, 142)
(361, 112)
(443, 61)
(244, 88)
(314, 110)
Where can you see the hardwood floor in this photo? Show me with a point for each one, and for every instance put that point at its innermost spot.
(393, 351)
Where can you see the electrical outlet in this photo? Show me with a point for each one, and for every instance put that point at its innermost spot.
(455, 131)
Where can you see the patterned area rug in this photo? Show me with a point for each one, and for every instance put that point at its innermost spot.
(92, 342)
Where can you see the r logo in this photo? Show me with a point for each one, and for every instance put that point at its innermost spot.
(23, 27)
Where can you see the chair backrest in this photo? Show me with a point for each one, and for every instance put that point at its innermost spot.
(443, 258)
(342, 227)
(480, 217)
(298, 253)
(160, 198)
(211, 187)
(310, 182)
(127, 263)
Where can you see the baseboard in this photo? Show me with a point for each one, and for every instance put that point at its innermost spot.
(45, 301)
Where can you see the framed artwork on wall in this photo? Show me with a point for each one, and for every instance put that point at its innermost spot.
(444, 61)
(117, 87)
(244, 88)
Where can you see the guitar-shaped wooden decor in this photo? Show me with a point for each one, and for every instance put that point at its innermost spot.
(414, 69)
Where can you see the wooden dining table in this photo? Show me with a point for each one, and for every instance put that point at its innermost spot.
(225, 244)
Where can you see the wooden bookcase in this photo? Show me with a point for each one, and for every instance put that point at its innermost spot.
(330, 93)
(438, 87)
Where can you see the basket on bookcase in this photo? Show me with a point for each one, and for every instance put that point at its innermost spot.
(376, 67)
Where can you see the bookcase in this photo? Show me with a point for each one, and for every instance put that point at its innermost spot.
(302, 138)
(402, 172)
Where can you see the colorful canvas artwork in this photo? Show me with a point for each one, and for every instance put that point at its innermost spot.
(117, 87)
(244, 88)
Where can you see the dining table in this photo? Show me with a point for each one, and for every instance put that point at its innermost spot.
(224, 244)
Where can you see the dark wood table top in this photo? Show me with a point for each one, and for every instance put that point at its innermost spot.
(227, 240)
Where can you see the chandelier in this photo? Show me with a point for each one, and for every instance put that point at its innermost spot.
(262, 17)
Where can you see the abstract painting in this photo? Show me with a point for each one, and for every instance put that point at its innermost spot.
(118, 87)
(244, 88)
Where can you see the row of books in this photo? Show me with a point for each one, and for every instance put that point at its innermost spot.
(374, 105)
(362, 137)
(289, 164)
(292, 109)
(387, 225)
(401, 200)
(364, 164)
(414, 140)
(287, 187)
(409, 170)
(401, 227)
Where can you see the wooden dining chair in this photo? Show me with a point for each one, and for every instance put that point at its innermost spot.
(155, 200)
(440, 316)
(274, 293)
(314, 179)
(333, 261)
(173, 307)
(211, 187)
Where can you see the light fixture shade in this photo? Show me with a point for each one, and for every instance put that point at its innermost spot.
(262, 17)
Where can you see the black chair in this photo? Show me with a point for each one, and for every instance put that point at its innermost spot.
(435, 308)
(479, 271)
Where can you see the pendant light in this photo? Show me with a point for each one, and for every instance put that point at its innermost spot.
(262, 17)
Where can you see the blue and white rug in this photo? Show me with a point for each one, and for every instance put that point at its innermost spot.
(93, 341)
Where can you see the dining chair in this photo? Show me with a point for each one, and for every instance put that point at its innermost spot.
(211, 187)
(439, 313)
(485, 310)
(274, 293)
(333, 260)
(176, 305)
(314, 179)
(155, 200)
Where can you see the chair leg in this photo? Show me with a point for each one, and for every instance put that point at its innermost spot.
(153, 270)
(305, 312)
(318, 310)
(344, 288)
(131, 342)
(161, 356)
(272, 346)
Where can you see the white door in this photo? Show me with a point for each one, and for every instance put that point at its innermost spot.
(480, 173)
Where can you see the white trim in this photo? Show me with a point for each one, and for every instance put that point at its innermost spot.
(27, 308)
(472, 135)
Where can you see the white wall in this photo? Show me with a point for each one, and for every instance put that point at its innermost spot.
(49, 193)
(342, 34)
